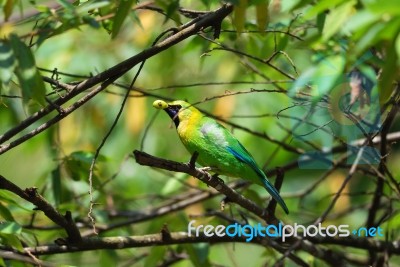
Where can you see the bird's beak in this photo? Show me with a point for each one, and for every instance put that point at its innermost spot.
(160, 104)
(171, 110)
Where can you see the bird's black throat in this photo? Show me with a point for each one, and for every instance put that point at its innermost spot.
(172, 111)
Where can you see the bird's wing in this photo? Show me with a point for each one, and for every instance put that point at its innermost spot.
(214, 132)
(218, 134)
(240, 152)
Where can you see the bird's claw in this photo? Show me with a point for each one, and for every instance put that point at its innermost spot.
(205, 169)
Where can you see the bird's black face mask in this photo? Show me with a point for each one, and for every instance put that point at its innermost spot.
(172, 111)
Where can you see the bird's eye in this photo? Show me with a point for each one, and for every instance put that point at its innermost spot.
(179, 106)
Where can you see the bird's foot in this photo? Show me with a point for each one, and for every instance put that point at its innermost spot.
(206, 169)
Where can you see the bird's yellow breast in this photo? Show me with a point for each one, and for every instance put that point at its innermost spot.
(189, 127)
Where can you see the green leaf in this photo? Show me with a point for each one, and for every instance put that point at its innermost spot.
(262, 15)
(10, 228)
(7, 62)
(5, 213)
(77, 164)
(11, 240)
(85, 156)
(66, 5)
(327, 74)
(156, 254)
(322, 78)
(31, 82)
(321, 6)
(10, 198)
(91, 21)
(7, 8)
(321, 22)
(122, 12)
(336, 19)
(360, 20)
(239, 15)
(91, 5)
(170, 7)
(391, 30)
(370, 37)
(384, 7)
(43, 9)
(198, 254)
(388, 75)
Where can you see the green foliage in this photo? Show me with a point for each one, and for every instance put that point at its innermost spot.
(7, 62)
(70, 16)
(198, 254)
(16, 58)
(31, 82)
(369, 24)
(122, 12)
(77, 164)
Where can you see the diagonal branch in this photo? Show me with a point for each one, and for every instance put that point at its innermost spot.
(31, 195)
(148, 160)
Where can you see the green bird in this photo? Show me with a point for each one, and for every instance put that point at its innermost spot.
(217, 147)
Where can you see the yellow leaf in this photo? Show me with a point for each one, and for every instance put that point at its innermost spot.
(239, 15)
(136, 110)
(334, 182)
(7, 8)
(6, 29)
(262, 15)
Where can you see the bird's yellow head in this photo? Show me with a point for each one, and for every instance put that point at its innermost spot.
(178, 110)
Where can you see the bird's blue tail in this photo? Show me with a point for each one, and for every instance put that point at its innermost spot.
(273, 192)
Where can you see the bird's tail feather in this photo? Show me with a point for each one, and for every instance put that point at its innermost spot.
(244, 156)
(273, 192)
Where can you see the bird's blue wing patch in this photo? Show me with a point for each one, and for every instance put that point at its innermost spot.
(245, 157)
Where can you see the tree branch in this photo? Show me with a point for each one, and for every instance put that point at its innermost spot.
(148, 160)
(31, 195)
(119, 242)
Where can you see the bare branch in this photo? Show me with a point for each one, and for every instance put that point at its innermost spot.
(31, 195)
(145, 159)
